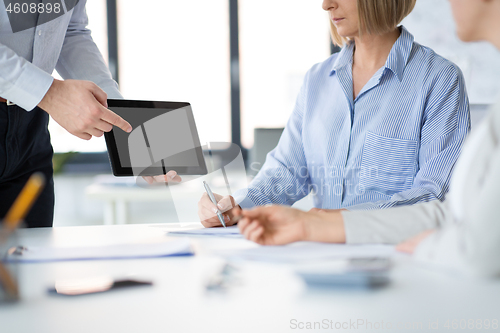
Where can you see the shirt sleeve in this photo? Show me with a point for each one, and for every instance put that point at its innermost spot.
(445, 125)
(21, 82)
(80, 58)
(473, 244)
(392, 226)
(284, 178)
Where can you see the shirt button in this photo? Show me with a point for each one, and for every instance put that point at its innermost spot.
(39, 32)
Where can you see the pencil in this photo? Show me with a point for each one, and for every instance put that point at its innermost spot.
(24, 201)
(15, 215)
(8, 283)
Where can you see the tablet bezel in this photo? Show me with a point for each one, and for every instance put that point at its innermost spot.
(114, 157)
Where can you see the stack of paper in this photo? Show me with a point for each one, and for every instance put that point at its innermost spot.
(179, 247)
(232, 231)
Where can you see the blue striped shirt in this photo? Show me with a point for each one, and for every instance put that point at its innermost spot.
(395, 144)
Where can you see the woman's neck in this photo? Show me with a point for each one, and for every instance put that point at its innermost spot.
(371, 51)
(494, 38)
(490, 24)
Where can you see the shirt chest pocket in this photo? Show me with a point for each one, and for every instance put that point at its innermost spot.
(388, 164)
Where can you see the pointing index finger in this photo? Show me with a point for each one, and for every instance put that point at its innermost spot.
(114, 119)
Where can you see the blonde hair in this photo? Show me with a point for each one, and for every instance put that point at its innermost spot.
(377, 17)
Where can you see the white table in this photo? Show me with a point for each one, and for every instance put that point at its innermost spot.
(269, 299)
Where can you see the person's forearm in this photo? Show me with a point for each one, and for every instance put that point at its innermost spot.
(325, 227)
(394, 225)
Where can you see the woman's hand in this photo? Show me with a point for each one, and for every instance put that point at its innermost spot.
(207, 211)
(274, 225)
(411, 244)
(170, 177)
(278, 225)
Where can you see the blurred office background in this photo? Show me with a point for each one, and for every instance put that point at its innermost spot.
(240, 64)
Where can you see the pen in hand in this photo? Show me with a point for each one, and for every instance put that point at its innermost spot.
(214, 201)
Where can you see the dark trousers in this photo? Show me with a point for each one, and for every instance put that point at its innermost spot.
(25, 149)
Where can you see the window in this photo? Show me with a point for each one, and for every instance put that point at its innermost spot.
(179, 51)
(169, 51)
(172, 50)
(279, 42)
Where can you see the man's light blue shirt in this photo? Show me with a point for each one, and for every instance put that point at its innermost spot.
(395, 144)
(28, 57)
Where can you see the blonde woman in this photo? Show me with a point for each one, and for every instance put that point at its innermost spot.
(468, 238)
(378, 125)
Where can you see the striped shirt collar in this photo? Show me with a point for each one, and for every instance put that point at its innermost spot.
(396, 62)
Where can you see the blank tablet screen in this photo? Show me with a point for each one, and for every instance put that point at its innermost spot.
(163, 138)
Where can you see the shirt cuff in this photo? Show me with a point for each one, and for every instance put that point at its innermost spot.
(112, 92)
(29, 88)
(391, 226)
(241, 198)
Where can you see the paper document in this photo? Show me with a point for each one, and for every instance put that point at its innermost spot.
(123, 251)
(231, 231)
(308, 251)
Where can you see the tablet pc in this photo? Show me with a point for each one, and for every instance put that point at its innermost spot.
(163, 138)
